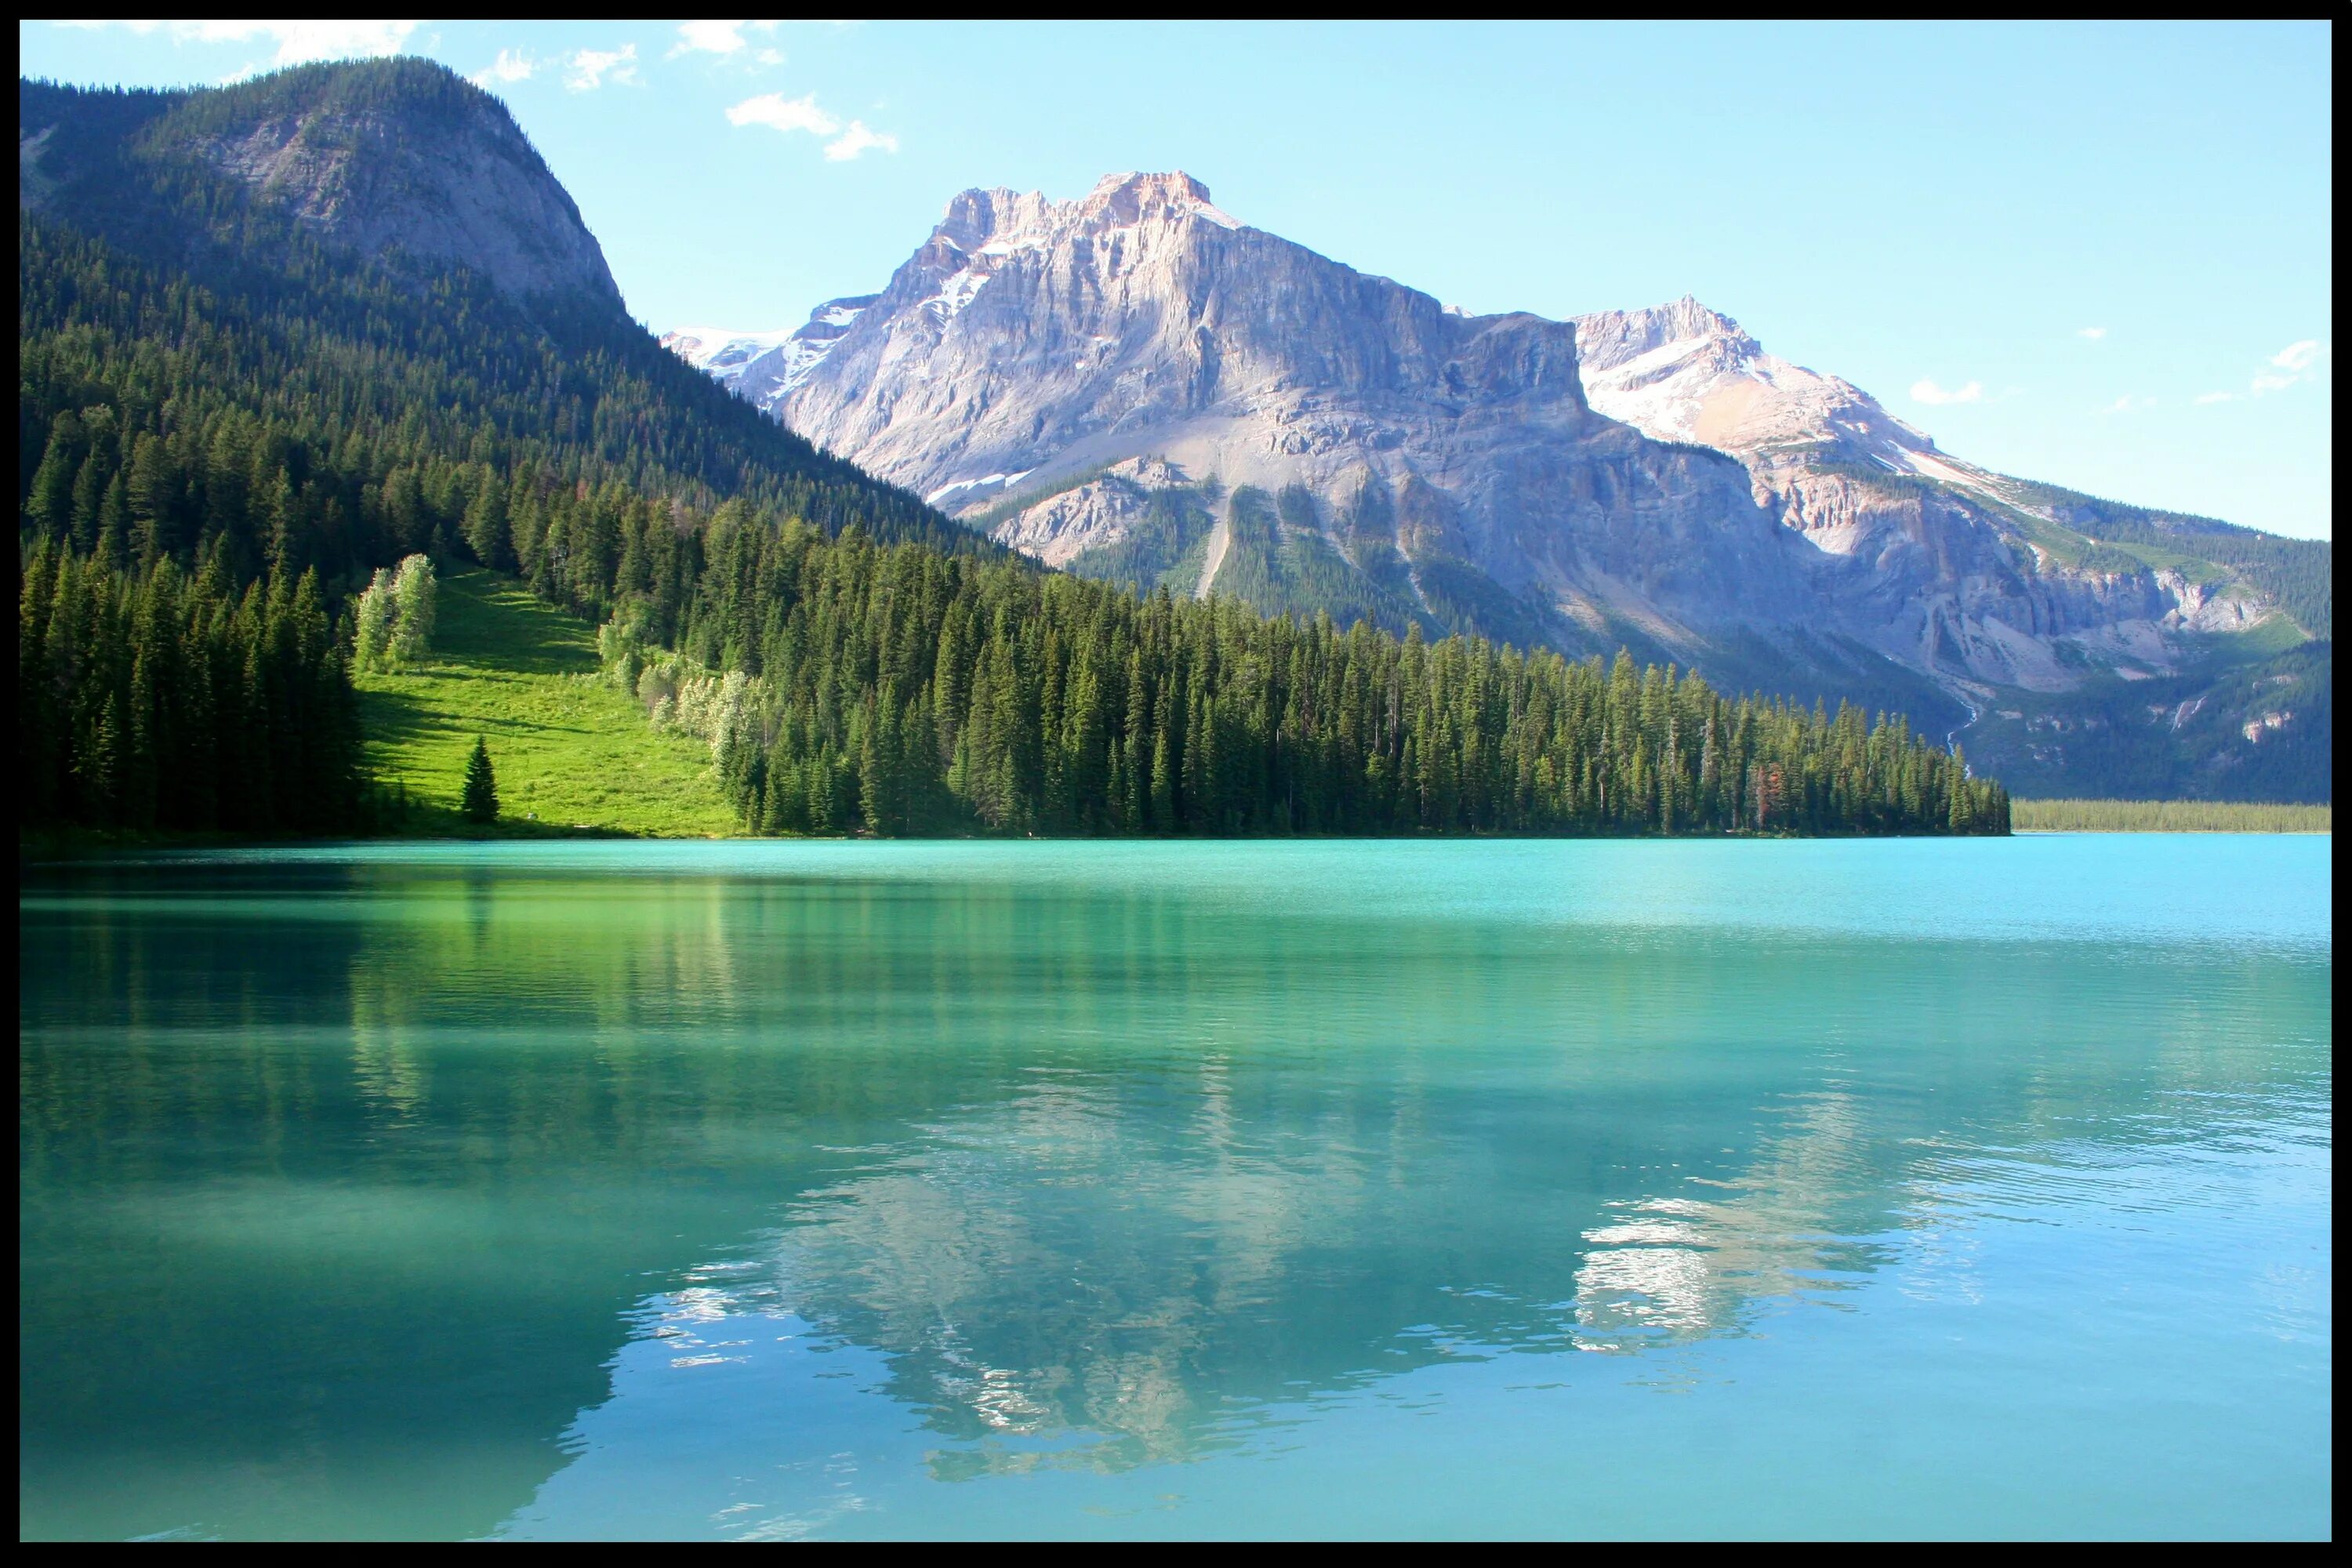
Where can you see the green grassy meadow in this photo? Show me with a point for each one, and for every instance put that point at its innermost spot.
(570, 751)
(2166, 817)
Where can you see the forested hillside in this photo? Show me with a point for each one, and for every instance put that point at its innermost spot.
(217, 406)
(161, 699)
(229, 420)
(898, 691)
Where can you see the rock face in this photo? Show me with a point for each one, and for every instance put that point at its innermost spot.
(1137, 385)
(380, 157)
(1440, 466)
(462, 184)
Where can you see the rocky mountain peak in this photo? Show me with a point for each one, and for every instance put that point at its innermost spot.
(1123, 200)
(1608, 338)
(975, 218)
(1031, 337)
(1682, 372)
(1000, 221)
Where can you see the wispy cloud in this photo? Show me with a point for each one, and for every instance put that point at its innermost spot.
(858, 138)
(778, 112)
(2296, 362)
(2304, 359)
(2093, 334)
(2128, 404)
(773, 109)
(721, 39)
(2300, 357)
(592, 68)
(510, 67)
(296, 41)
(1927, 392)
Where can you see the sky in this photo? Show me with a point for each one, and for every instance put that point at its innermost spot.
(2097, 255)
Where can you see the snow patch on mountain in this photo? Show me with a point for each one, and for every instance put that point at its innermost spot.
(1685, 372)
(763, 368)
(959, 486)
(718, 350)
(956, 293)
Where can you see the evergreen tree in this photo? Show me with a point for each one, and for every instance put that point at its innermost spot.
(481, 801)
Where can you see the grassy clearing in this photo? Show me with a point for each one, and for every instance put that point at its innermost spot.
(2166, 816)
(571, 752)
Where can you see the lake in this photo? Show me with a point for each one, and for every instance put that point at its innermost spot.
(773, 1190)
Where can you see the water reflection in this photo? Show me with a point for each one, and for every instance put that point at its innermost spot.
(641, 1184)
(1067, 1264)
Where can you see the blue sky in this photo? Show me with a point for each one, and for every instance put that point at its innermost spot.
(2098, 256)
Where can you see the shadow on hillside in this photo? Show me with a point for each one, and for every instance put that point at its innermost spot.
(396, 719)
(486, 619)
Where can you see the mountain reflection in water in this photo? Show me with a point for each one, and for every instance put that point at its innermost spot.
(659, 1196)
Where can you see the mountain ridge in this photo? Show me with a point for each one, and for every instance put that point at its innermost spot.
(1098, 381)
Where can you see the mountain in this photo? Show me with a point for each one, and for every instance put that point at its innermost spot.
(1137, 385)
(274, 337)
(2134, 651)
(381, 235)
(397, 160)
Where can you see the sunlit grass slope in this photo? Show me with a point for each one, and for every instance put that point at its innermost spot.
(2166, 816)
(570, 751)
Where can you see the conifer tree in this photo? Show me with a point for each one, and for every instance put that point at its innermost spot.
(481, 801)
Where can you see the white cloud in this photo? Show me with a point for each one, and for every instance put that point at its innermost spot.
(2093, 334)
(778, 112)
(2297, 362)
(773, 109)
(857, 140)
(2302, 361)
(1929, 393)
(2300, 357)
(590, 67)
(717, 38)
(2127, 404)
(769, 57)
(510, 67)
(296, 41)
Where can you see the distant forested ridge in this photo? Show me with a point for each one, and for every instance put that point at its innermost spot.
(227, 424)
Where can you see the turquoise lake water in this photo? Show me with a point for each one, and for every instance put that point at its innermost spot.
(1114, 1190)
